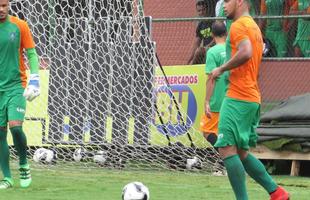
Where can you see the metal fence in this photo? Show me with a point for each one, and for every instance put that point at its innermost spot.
(175, 37)
(280, 77)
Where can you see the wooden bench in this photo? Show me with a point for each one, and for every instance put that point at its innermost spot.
(262, 152)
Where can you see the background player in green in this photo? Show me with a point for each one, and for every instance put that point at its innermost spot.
(15, 38)
(302, 40)
(275, 30)
(215, 90)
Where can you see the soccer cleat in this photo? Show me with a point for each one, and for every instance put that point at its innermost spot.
(25, 177)
(280, 194)
(6, 183)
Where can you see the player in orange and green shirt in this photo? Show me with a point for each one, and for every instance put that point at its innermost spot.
(240, 111)
(15, 38)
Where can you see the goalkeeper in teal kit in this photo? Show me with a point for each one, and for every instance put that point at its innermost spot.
(15, 39)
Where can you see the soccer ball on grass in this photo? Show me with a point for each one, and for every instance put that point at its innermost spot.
(135, 191)
(100, 157)
(79, 154)
(43, 155)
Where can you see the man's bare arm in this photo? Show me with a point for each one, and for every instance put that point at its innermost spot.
(243, 54)
(210, 83)
(196, 44)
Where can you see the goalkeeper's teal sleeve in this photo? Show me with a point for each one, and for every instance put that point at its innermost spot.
(33, 60)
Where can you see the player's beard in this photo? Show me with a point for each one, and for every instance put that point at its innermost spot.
(230, 10)
(2, 17)
(230, 15)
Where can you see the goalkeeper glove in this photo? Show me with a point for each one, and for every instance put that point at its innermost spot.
(33, 88)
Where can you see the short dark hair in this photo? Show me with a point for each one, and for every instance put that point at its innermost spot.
(201, 3)
(218, 29)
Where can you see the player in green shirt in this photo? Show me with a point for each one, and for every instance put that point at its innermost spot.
(15, 38)
(275, 30)
(302, 40)
(215, 90)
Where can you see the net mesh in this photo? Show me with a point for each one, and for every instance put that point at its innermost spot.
(100, 104)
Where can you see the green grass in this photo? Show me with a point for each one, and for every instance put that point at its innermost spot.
(99, 184)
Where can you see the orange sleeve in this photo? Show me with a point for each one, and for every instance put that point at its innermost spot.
(238, 33)
(26, 36)
(263, 8)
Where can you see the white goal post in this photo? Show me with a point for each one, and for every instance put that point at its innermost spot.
(100, 96)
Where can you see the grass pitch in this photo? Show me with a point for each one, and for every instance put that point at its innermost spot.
(106, 184)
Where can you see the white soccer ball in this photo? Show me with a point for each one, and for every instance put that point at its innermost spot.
(100, 157)
(135, 191)
(192, 163)
(39, 154)
(49, 156)
(79, 154)
(43, 155)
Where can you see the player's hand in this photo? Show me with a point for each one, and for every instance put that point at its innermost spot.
(33, 88)
(207, 110)
(216, 73)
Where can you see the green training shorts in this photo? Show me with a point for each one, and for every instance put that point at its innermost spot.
(12, 106)
(237, 124)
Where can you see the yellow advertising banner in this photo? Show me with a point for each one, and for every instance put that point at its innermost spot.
(180, 104)
(182, 109)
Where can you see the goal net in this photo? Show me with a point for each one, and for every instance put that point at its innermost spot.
(100, 103)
